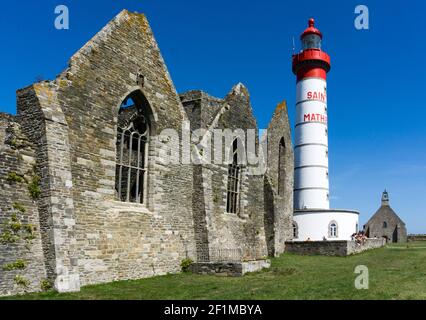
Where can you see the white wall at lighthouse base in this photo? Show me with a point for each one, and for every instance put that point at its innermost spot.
(311, 198)
(314, 224)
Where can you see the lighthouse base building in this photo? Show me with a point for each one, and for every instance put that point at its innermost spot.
(317, 225)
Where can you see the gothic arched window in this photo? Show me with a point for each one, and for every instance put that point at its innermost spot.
(282, 176)
(385, 225)
(132, 151)
(234, 180)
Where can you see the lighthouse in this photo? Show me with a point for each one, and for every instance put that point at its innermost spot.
(313, 218)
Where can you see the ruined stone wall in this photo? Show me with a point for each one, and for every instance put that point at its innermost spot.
(194, 106)
(249, 229)
(22, 263)
(222, 234)
(43, 121)
(201, 115)
(65, 141)
(279, 194)
(116, 240)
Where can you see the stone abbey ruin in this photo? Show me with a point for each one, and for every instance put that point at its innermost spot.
(89, 194)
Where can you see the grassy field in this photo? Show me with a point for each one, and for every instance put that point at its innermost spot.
(396, 272)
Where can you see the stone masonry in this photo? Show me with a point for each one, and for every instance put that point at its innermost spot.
(333, 248)
(62, 222)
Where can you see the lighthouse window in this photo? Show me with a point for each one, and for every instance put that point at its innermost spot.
(326, 154)
(327, 174)
(234, 180)
(326, 131)
(295, 230)
(311, 41)
(333, 230)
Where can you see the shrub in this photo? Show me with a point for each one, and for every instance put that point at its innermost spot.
(19, 207)
(46, 285)
(29, 229)
(17, 265)
(34, 187)
(15, 227)
(14, 230)
(13, 143)
(21, 281)
(14, 177)
(8, 237)
(186, 264)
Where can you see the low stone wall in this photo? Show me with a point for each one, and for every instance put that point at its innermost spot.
(325, 248)
(416, 237)
(332, 248)
(354, 248)
(229, 269)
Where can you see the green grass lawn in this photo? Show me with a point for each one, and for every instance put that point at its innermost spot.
(396, 272)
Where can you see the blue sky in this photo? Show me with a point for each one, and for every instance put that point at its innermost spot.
(376, 86)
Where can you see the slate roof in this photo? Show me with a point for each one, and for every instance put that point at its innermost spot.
(385, 212)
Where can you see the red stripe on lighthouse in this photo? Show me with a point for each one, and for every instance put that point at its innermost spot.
(311, 73)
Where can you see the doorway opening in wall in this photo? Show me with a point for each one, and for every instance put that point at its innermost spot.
(395, 235)
(295, 230)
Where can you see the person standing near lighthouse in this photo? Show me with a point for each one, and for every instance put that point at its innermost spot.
(313, 218)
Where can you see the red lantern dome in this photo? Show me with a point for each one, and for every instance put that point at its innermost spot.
(311, 29)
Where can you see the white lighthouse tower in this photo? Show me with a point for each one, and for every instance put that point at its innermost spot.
(313, 218)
